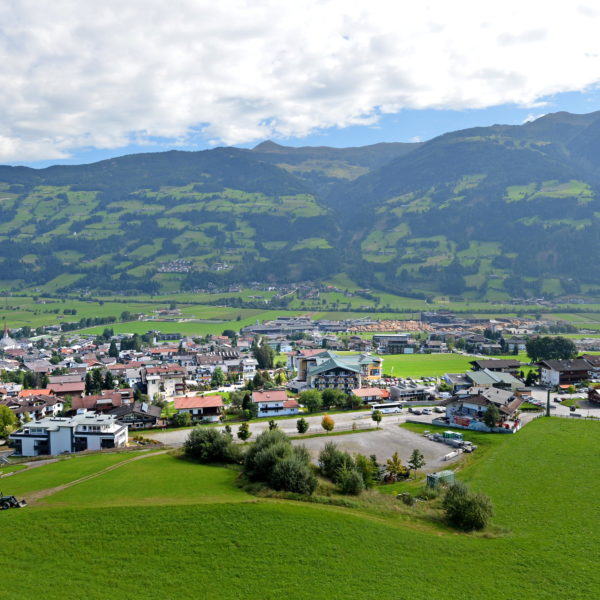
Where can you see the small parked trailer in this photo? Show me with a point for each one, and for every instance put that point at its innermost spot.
(451, 455)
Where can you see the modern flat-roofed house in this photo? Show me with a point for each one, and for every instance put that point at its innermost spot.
(200, 408)
(58, 435)
(564, 372)
(274, 403)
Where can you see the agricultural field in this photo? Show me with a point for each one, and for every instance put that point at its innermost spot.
(187, 531)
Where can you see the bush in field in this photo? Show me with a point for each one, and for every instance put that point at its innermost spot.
(331, 460)
(293, 474)
(467, 510)
(209, 445)
(350, 481)
(368, 468)
(273, 460)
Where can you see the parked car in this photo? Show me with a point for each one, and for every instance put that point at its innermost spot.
(426, 411)
(438, 409)
(417, 411)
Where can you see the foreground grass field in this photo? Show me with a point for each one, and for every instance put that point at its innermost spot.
(160, 527)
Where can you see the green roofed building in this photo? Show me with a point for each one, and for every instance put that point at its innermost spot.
(328, 370)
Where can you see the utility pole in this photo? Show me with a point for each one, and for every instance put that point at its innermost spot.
(548, 403)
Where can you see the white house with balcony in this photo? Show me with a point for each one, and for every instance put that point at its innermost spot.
(59, 435)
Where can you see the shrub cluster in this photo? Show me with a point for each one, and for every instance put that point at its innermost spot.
(467, 510)
(208, 445)
(273, 460)
(351, 474)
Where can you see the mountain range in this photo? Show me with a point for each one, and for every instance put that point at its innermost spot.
(483, 213)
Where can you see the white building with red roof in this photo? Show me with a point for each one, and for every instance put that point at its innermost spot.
(274, 403)
(200, 408)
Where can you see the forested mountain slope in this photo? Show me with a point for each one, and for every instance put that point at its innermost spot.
(489, 212)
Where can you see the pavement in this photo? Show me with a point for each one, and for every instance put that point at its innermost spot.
(383, 442)
(389, 439)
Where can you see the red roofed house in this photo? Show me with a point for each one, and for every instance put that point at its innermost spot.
(201, 408)
(369, 394)
(274, 404)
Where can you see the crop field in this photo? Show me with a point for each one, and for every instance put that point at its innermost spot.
(186, 531)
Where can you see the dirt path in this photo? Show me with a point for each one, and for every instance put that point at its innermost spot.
(36, 496)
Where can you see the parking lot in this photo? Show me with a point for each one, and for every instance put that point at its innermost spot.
(383, 442)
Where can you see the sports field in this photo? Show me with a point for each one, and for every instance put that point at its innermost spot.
(159, 527)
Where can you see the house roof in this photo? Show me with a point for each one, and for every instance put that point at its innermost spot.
(333, 363)
(575, 364)
(291, 403)
(366, 392)
(270, 396)
(27, 393)
(183, 402)
(65, 388)
(137, 407)
(499, 363)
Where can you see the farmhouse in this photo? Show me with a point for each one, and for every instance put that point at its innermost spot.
(274, 404)
(200, 408)
(57, 435)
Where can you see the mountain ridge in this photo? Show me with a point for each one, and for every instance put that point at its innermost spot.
(485, 212)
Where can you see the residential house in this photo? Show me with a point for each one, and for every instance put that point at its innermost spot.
(138, 415)
(200, 408)
(59, 435)
(564, 372)
(504, 365)
(274, 403)
(466, 410)
(166, 380)
(370, 395)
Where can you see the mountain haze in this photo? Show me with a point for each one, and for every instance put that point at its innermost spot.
(487, 212)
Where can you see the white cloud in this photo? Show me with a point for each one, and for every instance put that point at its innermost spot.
(82, 73)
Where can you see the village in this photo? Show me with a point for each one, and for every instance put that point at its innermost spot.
(74, 392)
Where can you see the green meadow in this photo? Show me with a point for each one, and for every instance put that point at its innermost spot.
(162, 527)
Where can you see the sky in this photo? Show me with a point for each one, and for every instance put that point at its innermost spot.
(82, 80)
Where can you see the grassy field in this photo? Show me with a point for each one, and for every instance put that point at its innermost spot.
(185, 531)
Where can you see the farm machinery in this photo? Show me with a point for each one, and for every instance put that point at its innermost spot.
(7, 502)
